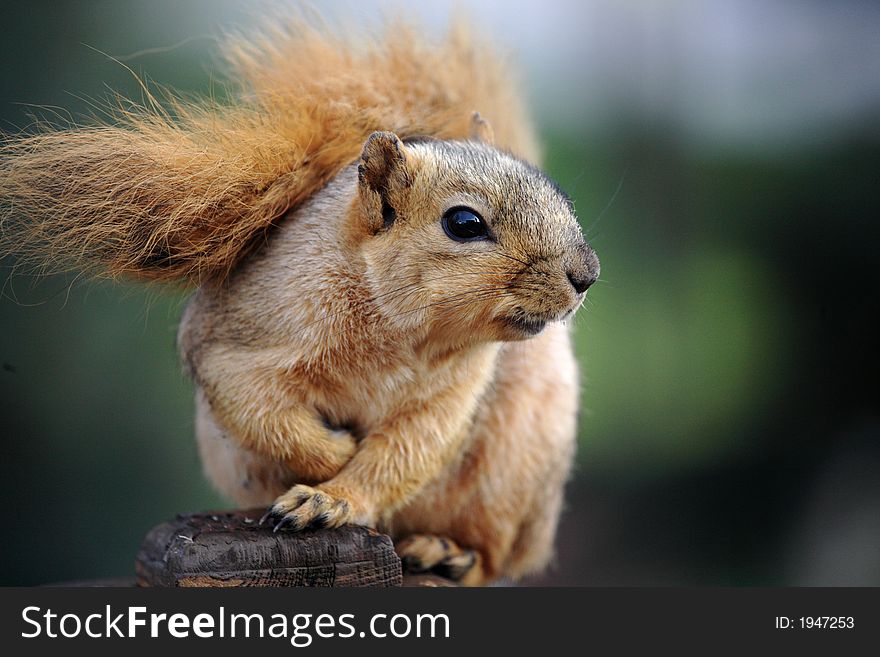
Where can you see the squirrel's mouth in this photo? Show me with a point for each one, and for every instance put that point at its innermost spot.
(527, 325)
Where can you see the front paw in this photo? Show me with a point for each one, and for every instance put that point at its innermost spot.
(336, 451)
(305, 507)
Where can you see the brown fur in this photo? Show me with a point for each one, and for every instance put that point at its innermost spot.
(184, 193)
(381, 363)
(363, 366)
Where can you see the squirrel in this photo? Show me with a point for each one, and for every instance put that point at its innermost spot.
(377, 333)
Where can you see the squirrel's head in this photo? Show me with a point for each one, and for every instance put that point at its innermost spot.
(467, 241)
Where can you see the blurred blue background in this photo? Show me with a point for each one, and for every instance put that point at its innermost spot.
(724, 159)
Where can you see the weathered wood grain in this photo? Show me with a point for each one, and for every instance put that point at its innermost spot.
(232, 549)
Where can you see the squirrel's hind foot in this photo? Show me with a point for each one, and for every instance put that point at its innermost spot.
(439, 555)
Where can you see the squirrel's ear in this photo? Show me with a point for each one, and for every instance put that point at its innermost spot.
(383, 171)
(383, 163)
(481, 130)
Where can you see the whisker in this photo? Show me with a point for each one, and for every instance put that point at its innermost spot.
(608, 205)
(430, 280)
(347, 310)
(510, 257)
(473, 293)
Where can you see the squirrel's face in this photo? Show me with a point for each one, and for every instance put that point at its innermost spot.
(468, 242)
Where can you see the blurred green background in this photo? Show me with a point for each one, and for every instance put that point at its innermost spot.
(724, 159)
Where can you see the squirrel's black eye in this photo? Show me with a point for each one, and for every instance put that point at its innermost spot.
(464, 224)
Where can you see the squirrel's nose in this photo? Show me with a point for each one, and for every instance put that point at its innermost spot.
(583, 274)
(581, 281)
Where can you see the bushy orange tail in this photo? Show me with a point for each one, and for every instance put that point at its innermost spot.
(185, 194)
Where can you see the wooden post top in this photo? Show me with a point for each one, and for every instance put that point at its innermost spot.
(231, 548)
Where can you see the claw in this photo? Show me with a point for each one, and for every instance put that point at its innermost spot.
(266, 516)
(284, 522)
(320, 521)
